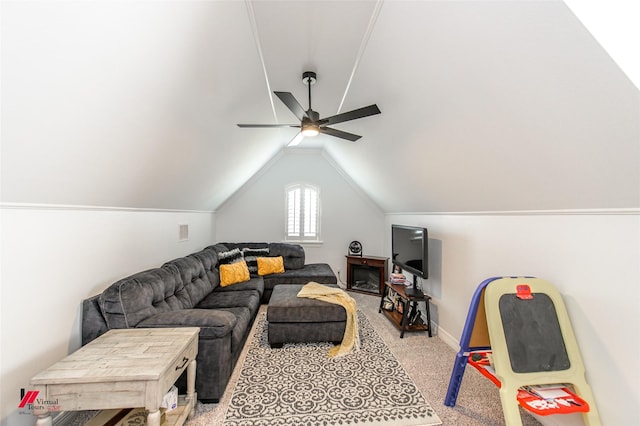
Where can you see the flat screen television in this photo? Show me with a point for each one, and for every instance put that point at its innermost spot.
(409, 248)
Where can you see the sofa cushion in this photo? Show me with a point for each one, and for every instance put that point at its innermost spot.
(241, 245)
(292, 254)
(232, 299)
(194, 278)
(131, 300)
(209, 259)
(93, 322)
(270, 265)
(230, 256)
(254, 283)
(251, 257)
(233, 273)
(213, 323)
(318, 272)
(218, 247)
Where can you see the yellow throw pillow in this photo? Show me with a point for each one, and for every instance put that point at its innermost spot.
(234, 273)
(270, 265)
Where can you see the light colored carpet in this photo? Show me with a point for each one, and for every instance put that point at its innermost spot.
(428, 361)
(300, 385)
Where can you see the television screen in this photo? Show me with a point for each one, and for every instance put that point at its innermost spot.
(409, 249)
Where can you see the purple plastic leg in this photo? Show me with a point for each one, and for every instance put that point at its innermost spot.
(460, 362)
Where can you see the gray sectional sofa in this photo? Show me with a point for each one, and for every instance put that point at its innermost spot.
(186, 292)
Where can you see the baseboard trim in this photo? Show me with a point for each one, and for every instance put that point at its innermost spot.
(446, 337)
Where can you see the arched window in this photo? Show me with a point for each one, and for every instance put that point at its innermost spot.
(302, 212)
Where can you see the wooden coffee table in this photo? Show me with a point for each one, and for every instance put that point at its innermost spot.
(127, 368)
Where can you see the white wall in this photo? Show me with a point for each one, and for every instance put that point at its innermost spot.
(256, 213)
(593, 260)
(53, 258)
(145, 88)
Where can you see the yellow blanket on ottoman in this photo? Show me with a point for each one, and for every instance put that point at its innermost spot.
(337, 296)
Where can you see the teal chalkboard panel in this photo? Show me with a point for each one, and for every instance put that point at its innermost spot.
(532, 333)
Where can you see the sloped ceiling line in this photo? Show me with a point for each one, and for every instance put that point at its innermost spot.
(252, 180)
(363, 45)
(256, 37)
(354, 186)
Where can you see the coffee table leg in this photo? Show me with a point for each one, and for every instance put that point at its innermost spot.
(153, 419)
(191, 387)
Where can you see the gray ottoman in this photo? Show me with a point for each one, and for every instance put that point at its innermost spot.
(295, 319)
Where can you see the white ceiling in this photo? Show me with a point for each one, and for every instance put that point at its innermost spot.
(486, 105)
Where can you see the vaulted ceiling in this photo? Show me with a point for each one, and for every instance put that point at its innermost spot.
(486, 106)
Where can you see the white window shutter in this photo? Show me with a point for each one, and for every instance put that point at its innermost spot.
(310, 212)
(293, 212)
(302, 212)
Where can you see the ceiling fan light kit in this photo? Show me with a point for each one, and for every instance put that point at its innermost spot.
(310, 122)
(310, 129)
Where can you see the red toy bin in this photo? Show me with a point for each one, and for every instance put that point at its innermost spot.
(562, 405)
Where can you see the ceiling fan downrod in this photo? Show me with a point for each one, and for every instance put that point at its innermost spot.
(309, 78)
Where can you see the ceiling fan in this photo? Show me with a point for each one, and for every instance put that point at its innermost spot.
(310, 122)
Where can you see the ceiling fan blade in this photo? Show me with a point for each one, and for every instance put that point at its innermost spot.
(352, 115)
(268, 125)
(339, 134)
(291, 103)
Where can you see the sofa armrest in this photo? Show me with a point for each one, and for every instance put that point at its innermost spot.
(213, 323)
(93, 322)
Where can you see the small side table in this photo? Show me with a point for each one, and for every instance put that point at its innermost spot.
(408, 302)
(128, 368)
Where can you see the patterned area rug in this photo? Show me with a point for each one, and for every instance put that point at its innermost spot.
(299, 385)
